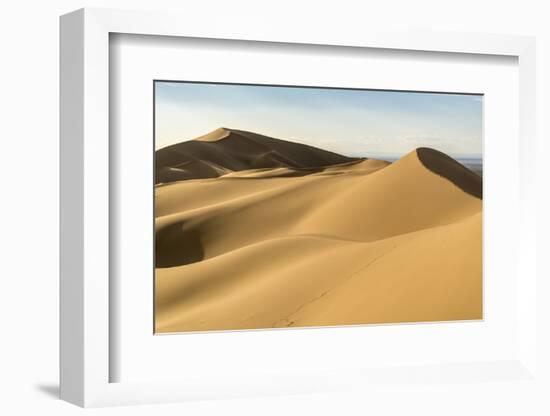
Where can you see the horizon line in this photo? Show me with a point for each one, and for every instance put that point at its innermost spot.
(368, 155)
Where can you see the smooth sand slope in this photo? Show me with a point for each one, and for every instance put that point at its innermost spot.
(314, 238)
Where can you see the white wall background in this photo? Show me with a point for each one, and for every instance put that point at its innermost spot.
(29, 56)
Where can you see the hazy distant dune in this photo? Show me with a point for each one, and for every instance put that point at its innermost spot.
(225, 150)
(315, 238)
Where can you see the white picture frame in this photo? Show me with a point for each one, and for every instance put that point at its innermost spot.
(85, 213)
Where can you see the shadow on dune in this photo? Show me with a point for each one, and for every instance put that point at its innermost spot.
(178, 244)
(448, 168)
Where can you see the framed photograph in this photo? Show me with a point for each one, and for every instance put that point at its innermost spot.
(353, 221)
(268, 212)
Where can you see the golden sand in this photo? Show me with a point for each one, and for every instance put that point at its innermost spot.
(314, 239)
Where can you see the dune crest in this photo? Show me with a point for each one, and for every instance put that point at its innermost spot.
(450, 169)
(315, 239)
(215, 135)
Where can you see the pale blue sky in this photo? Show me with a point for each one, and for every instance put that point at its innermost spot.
(350, 122)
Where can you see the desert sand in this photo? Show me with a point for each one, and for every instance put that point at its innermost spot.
(255, 232)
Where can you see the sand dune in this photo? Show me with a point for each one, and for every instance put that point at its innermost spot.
(319, 239)
(227, 150)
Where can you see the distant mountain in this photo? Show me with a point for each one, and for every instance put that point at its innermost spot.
(225, 150)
